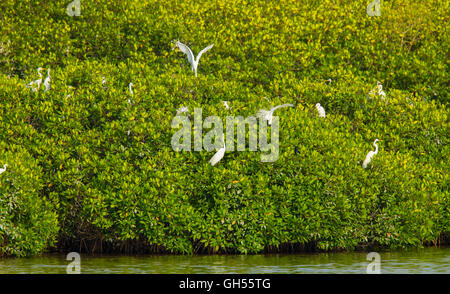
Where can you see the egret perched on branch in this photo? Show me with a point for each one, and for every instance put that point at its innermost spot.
(370, 154)
(47, 81)
(192, 60)
(2, 170)
(219, 154)
(36, 82)
(321, 110)
(130, 85)
(225, 103)
(104, 83)
(131, 92)
(380, 90)
(268, 114)
(182, 110)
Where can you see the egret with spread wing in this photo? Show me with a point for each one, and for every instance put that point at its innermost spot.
(268, 114)
(192, 60)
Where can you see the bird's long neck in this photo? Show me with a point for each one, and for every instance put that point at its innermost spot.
(376, 147)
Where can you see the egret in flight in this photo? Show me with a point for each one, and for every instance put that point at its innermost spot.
(370, 154)
(219, 154)
(2, 170)
(47, 81)
(37, 82)
(321, 110)
(268, 114)
(192, 60)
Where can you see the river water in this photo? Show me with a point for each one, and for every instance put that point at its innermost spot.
(427, 260)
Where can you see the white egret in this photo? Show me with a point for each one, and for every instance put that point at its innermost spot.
(219, 154)
(192, 60)
(268, 114)
(36, 82)
(370, 154)
(321, 110)
(182, 110)
(2, 170)
(130, 85)
(380, 90)
(225, 103)
(104, 83)
(47, 81)
(131, 92)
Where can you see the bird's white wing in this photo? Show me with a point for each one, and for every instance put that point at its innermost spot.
(368, 159)
(321, 111)
(186, 50)
(47, 84)
(217, 157)
(264, 114)
(280, 106)
(203, 51)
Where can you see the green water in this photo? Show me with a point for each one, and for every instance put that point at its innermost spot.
(427, 260)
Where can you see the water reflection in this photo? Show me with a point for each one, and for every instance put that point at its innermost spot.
(428, 260)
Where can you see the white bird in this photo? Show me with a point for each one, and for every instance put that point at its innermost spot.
(225, 103)
(47, 81)
(36, 82)
(131, 91)
(268, 114)
(104, 83)
(219, 154)
(321, 110)
(370, 154)
(380, 90)
(130, 85)
(192, 60)
(182, 110)
(2, 170)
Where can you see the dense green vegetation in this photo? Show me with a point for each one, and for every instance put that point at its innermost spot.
(89, 171)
